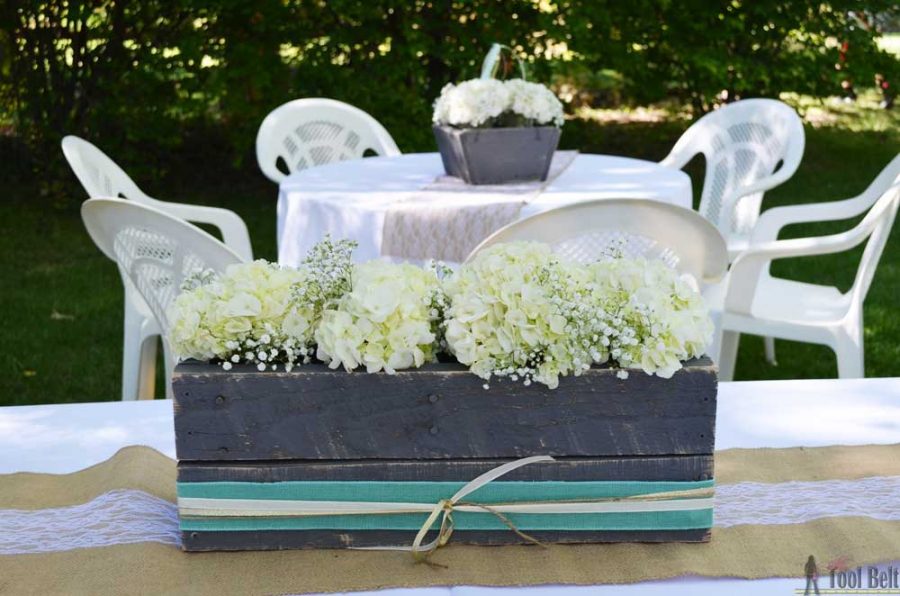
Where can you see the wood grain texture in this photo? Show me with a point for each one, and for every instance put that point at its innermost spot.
(440, 411)
(673, 468)
(300, 539)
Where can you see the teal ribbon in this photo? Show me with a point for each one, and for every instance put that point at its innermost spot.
(432, 492)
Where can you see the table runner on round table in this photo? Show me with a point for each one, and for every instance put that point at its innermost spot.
(449, 218)
(113, 528)
(358, 199)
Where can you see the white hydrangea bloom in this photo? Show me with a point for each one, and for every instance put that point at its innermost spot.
(477, 102)
(659, 319)
(384, 323)
(534, 102)
(502, 320)
(471, 103)
(248, 302)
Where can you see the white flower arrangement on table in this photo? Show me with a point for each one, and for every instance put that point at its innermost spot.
(516, 311)
(483, 103)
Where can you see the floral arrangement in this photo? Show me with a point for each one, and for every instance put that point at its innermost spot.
(516, 311)
(487, 103)
(387, 321)
(258, 312)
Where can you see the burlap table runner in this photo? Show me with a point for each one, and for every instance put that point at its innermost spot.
(449, 218)
(771, 548)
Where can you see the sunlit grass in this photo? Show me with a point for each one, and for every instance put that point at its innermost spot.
(890, 43)
(862, 115)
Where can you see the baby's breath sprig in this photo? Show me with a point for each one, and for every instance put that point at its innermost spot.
(269, 351)
(438, 303)
(330, 266)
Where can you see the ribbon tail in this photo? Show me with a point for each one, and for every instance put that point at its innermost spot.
(421, 551)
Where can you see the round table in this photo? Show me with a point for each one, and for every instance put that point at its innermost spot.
(364, 199)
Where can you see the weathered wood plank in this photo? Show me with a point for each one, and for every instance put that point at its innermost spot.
(301, 539)
(438, 412)
(672, 468)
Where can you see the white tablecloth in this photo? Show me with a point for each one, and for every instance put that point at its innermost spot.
(350, 199)
(65, 438)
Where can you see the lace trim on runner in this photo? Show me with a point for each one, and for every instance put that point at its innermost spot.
(798, 502)
(117, 517)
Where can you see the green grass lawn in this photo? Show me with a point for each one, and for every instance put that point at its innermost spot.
(61, 300)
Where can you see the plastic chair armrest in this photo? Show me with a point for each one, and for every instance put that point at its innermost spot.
(678, 158)
(749, 266)
(771, 222)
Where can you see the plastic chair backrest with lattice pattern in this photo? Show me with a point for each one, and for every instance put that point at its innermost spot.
(99, 175)
(102, 177)
(156, 251)
(743, 144)
(590, 230)
(315, 131)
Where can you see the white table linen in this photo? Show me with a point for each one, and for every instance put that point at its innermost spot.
(808, 413)
(350, 199)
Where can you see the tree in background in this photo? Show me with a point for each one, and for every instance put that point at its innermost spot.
(144, 78)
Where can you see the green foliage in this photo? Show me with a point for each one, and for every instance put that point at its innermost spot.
(707, 51)
(130, 73)
(144, 78)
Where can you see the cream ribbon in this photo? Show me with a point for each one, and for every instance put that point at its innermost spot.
(444, 508)
(686, 500)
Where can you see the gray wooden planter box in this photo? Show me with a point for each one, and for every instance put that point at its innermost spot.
(497, 155)
(435, 424)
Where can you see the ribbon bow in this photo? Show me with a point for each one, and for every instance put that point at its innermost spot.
(444, 509)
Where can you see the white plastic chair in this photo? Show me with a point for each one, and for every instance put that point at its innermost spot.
(743, 143)
(584, 231)
(102, 177)
(315, 131)
(156, 252)
(752, 301)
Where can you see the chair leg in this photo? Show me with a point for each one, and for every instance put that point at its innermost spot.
(131, 354)
(769, 343)
(713, 350)
(728, 354)
(850, 356)
(170, 370)
(147, 383)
